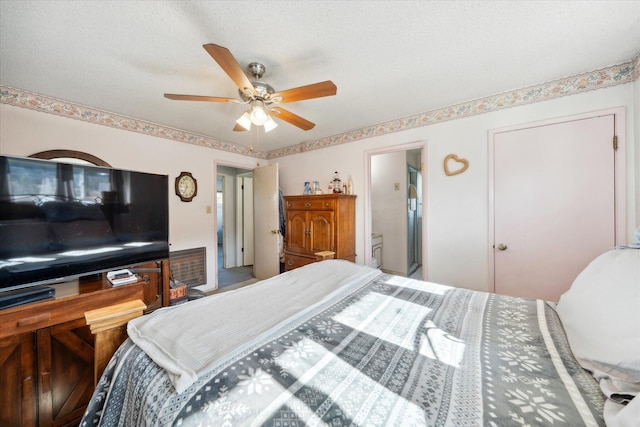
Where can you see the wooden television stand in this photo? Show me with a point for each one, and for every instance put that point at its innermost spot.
(50, 359)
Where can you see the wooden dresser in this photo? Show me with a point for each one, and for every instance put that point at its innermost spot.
(48, 353)
(317, 223)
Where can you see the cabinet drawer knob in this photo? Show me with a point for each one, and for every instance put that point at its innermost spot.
(307, 205)
(290, 262)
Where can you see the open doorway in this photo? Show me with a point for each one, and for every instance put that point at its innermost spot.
(234, 204)
(395, 185)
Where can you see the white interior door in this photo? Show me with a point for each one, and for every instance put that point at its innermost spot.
(554, 204)
(266, 221)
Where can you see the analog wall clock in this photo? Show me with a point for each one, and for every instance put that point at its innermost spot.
(186, 186)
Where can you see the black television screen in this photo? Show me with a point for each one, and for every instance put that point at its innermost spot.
(60, 221)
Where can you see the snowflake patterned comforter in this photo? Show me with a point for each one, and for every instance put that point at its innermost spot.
(387, 351)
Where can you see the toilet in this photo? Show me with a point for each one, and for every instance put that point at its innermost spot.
(376, 250)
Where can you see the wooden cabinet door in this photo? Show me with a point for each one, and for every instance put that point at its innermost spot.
(65, 372)
(17, 380)
(297, 232)
(321, 231)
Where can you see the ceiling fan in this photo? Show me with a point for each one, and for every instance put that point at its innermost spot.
(261, 97)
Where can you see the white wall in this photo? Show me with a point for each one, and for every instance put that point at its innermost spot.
(455, 232)
(24, 132)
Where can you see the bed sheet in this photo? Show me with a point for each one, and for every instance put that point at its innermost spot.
(390, 351)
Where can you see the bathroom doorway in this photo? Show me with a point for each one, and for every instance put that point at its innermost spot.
(395, 185)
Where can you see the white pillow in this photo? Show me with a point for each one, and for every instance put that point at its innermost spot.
(601, 315)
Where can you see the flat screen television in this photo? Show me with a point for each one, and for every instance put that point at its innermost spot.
(60, 221)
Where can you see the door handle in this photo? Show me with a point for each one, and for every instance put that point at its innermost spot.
(502, 247)
(275, 231)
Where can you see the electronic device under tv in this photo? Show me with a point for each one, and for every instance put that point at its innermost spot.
(61, 221)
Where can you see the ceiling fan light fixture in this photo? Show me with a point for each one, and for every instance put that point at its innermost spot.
(258, 114)
(270, 124)
(245, 121)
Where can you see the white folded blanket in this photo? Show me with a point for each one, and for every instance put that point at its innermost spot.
(189, 339)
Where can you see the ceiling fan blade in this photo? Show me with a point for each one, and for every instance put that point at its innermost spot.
(238, 128)
(197, 98)
(228, 63)
(291, 118)
(316, 90)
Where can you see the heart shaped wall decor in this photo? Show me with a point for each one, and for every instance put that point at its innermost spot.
(463, 165)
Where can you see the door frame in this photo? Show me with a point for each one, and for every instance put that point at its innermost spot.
(422, 145)
(418, 210)
(620, 174)
(216, 163)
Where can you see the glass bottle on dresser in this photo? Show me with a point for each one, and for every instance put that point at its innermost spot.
(337, 186)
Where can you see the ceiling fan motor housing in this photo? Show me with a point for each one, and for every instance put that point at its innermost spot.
(263, 90)
(257, 70)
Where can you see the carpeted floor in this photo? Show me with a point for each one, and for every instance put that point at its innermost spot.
(233, 286)
(231, 276)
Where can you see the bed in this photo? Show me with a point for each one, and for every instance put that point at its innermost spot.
(335, 344)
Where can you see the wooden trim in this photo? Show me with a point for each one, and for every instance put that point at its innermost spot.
(108, 326)
(104, 318)
(325, 255)
(91, 295)
(56, 154)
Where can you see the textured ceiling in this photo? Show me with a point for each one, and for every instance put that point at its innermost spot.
(389, 59)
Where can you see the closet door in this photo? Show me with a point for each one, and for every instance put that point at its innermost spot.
(554, 205)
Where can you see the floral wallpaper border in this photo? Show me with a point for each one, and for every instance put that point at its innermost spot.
(45, 104)
(607, 77)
